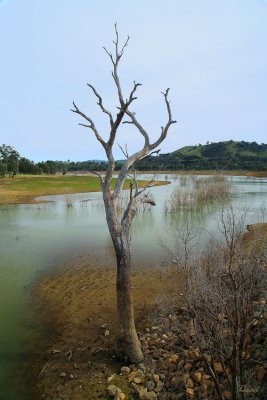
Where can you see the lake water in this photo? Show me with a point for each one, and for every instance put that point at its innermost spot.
(34, 237)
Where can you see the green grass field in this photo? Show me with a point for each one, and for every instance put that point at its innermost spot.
(25, 188)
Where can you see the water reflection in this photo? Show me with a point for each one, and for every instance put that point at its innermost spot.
(34, 237)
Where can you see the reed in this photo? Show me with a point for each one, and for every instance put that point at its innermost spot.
(197, 193)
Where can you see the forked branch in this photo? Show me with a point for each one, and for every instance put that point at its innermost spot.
(100, 103)
(91, 124)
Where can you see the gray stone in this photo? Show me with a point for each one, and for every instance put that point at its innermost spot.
(150, 385)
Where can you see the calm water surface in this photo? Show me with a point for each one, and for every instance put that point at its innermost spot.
(34, 237)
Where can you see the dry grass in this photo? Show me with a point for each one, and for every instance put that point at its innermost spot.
(197, 193)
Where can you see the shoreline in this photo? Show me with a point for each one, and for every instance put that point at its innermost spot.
(24, 189)
(28, 195)
(81, 303)
(79, 300)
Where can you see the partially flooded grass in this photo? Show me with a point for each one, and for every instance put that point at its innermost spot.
(25, 188)
(194, 193)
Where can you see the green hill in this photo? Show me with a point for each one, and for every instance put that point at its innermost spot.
(228, 155)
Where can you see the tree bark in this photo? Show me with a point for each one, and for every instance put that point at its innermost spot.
(126, 341)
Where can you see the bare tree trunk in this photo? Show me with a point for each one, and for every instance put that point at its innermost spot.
(126, 340)
(127, 344)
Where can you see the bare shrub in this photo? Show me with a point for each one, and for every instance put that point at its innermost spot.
(223, 303)
(199, 193)
(69, 198)
(183, 180)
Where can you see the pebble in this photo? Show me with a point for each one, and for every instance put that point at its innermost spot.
(125, 370)
(172, 362)
(150, 385)
(112, 390)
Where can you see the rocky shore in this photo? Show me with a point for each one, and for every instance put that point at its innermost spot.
(80, 362)
(174, 368)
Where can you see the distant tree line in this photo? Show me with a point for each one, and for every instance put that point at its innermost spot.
(12, 163)
(221, 156)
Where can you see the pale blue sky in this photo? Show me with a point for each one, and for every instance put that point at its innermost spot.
(211, 53)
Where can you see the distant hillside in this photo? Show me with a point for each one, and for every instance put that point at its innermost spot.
(222, 155)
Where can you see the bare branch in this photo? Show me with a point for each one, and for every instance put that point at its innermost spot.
(148, 185)
(100, 177)
(164, 130)
(127, 122)
(124, 151)
(138, 126)
(140, 160)
(110, 55)
(131, 209)
(133, 177)
(100, 103)
(132, 98)
(91, 126)
(119, 53)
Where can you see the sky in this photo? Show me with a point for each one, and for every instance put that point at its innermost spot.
(212, 54)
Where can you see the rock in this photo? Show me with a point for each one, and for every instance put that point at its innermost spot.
(109, 379)
(218, 368)
(227, 395)
(157, 353)
(62, 375)
(197, 377)
(106, 333)
(190, 392)
(261, 373)
(143, 393)
(131, 376)
(193, 355)
(159, 387)
(187, 366)
(206, 377)
(150, 385)
(112, 390)
(151, 396)
(174, 358)
(120, 396)
(125, 370)
(189, 383)
(71, 376)
(138, 377)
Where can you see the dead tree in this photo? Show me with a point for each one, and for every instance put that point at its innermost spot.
(126, 341)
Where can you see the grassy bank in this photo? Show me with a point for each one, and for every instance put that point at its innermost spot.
(25, 188)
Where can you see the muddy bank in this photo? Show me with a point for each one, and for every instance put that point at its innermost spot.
(80, 303)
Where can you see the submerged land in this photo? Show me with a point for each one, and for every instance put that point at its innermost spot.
(23, 189)
(80, 301)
